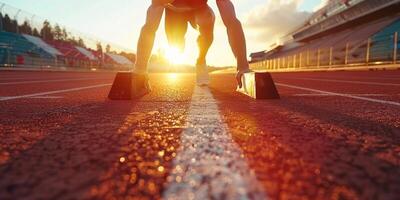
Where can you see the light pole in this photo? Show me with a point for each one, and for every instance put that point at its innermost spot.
(16, 20)
(32, 23)
(1, 16)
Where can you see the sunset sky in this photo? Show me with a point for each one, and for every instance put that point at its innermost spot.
(119, 22)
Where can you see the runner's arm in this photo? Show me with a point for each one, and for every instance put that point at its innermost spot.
(236, 36)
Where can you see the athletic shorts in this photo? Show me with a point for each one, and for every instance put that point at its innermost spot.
(176, 25)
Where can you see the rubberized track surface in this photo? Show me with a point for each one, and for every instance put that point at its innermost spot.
(332, 135)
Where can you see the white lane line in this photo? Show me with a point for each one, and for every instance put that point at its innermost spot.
(359, 95)
(344, 81)
(47, 97)
(35, 78)
(354, 77)
(41, 97)
(340, 94)
(53, 92)
(209, 164)
(48, 81)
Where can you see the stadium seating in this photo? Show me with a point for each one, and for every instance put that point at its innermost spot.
(322, 21)
(67, 49)
(17, 50)
(43, 45)
(351, 41)
(3, 55)
(19, 45)
(382, 42)
(71, 56)
(118, 59)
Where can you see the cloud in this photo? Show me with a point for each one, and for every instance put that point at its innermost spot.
(321, 5)
(276, 18)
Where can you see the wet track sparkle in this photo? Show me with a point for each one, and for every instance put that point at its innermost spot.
(304, 146)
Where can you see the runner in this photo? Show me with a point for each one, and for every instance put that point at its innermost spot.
(177, 16)
(154, 15)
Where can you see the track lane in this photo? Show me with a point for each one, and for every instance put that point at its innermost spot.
(315, 147)
(94, 148)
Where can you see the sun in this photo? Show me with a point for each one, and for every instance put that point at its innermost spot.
(175, 56)
(172, 77)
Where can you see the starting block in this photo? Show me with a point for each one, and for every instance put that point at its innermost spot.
(259, 85)
(128, 86)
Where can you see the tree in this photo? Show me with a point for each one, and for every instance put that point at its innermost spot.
(7, 24)
(58, 34)
(1, 21)
(108, 48)
(99, 47)
(73, 41)
(35, 33)
(64, 34)
(13, 26)
(25, 28)
(81, 43)
(47, 31)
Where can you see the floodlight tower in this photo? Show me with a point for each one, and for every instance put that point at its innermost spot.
(16, 20)
(1, 16)
(32, 18)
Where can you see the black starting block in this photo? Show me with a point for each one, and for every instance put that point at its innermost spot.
(259, 85)
(128, 86)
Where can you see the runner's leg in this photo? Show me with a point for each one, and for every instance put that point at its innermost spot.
(176, 25)
(204, 19)
(147, 36)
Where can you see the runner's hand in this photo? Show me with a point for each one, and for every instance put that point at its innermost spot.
(239, 75)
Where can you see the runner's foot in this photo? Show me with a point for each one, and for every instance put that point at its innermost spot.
(141, 85)
(203, 78)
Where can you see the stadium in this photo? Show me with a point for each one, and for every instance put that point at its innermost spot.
(26, 40)
(342, 34)
(312, 115)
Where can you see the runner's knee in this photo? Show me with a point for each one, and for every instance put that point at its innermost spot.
(206, 19)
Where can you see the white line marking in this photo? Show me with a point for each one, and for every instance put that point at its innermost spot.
(53, 92)
(344, 81)
(359, 95)
(42, 97)
(26, 78)
(209, 164)
(340, 94)
(355, 77)
(47, 97)
(47, 81)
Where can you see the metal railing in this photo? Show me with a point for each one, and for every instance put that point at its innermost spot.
(381, 50)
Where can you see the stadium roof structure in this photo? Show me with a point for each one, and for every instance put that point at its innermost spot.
(341, 14)
(43, 45)
(86, 52)
(119, 59)
(328, 23)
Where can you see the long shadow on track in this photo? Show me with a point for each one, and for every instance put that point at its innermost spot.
(320, 157)
(103, 152)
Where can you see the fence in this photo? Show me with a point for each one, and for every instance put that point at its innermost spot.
(379, 50)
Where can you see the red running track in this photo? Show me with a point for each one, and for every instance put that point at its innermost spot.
(332, 135)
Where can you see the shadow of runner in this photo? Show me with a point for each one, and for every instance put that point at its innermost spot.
(301, 151)
(116, 150)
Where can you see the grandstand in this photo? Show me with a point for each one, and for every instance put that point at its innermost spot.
(344, 33)
(20, 51)
(24, 46)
